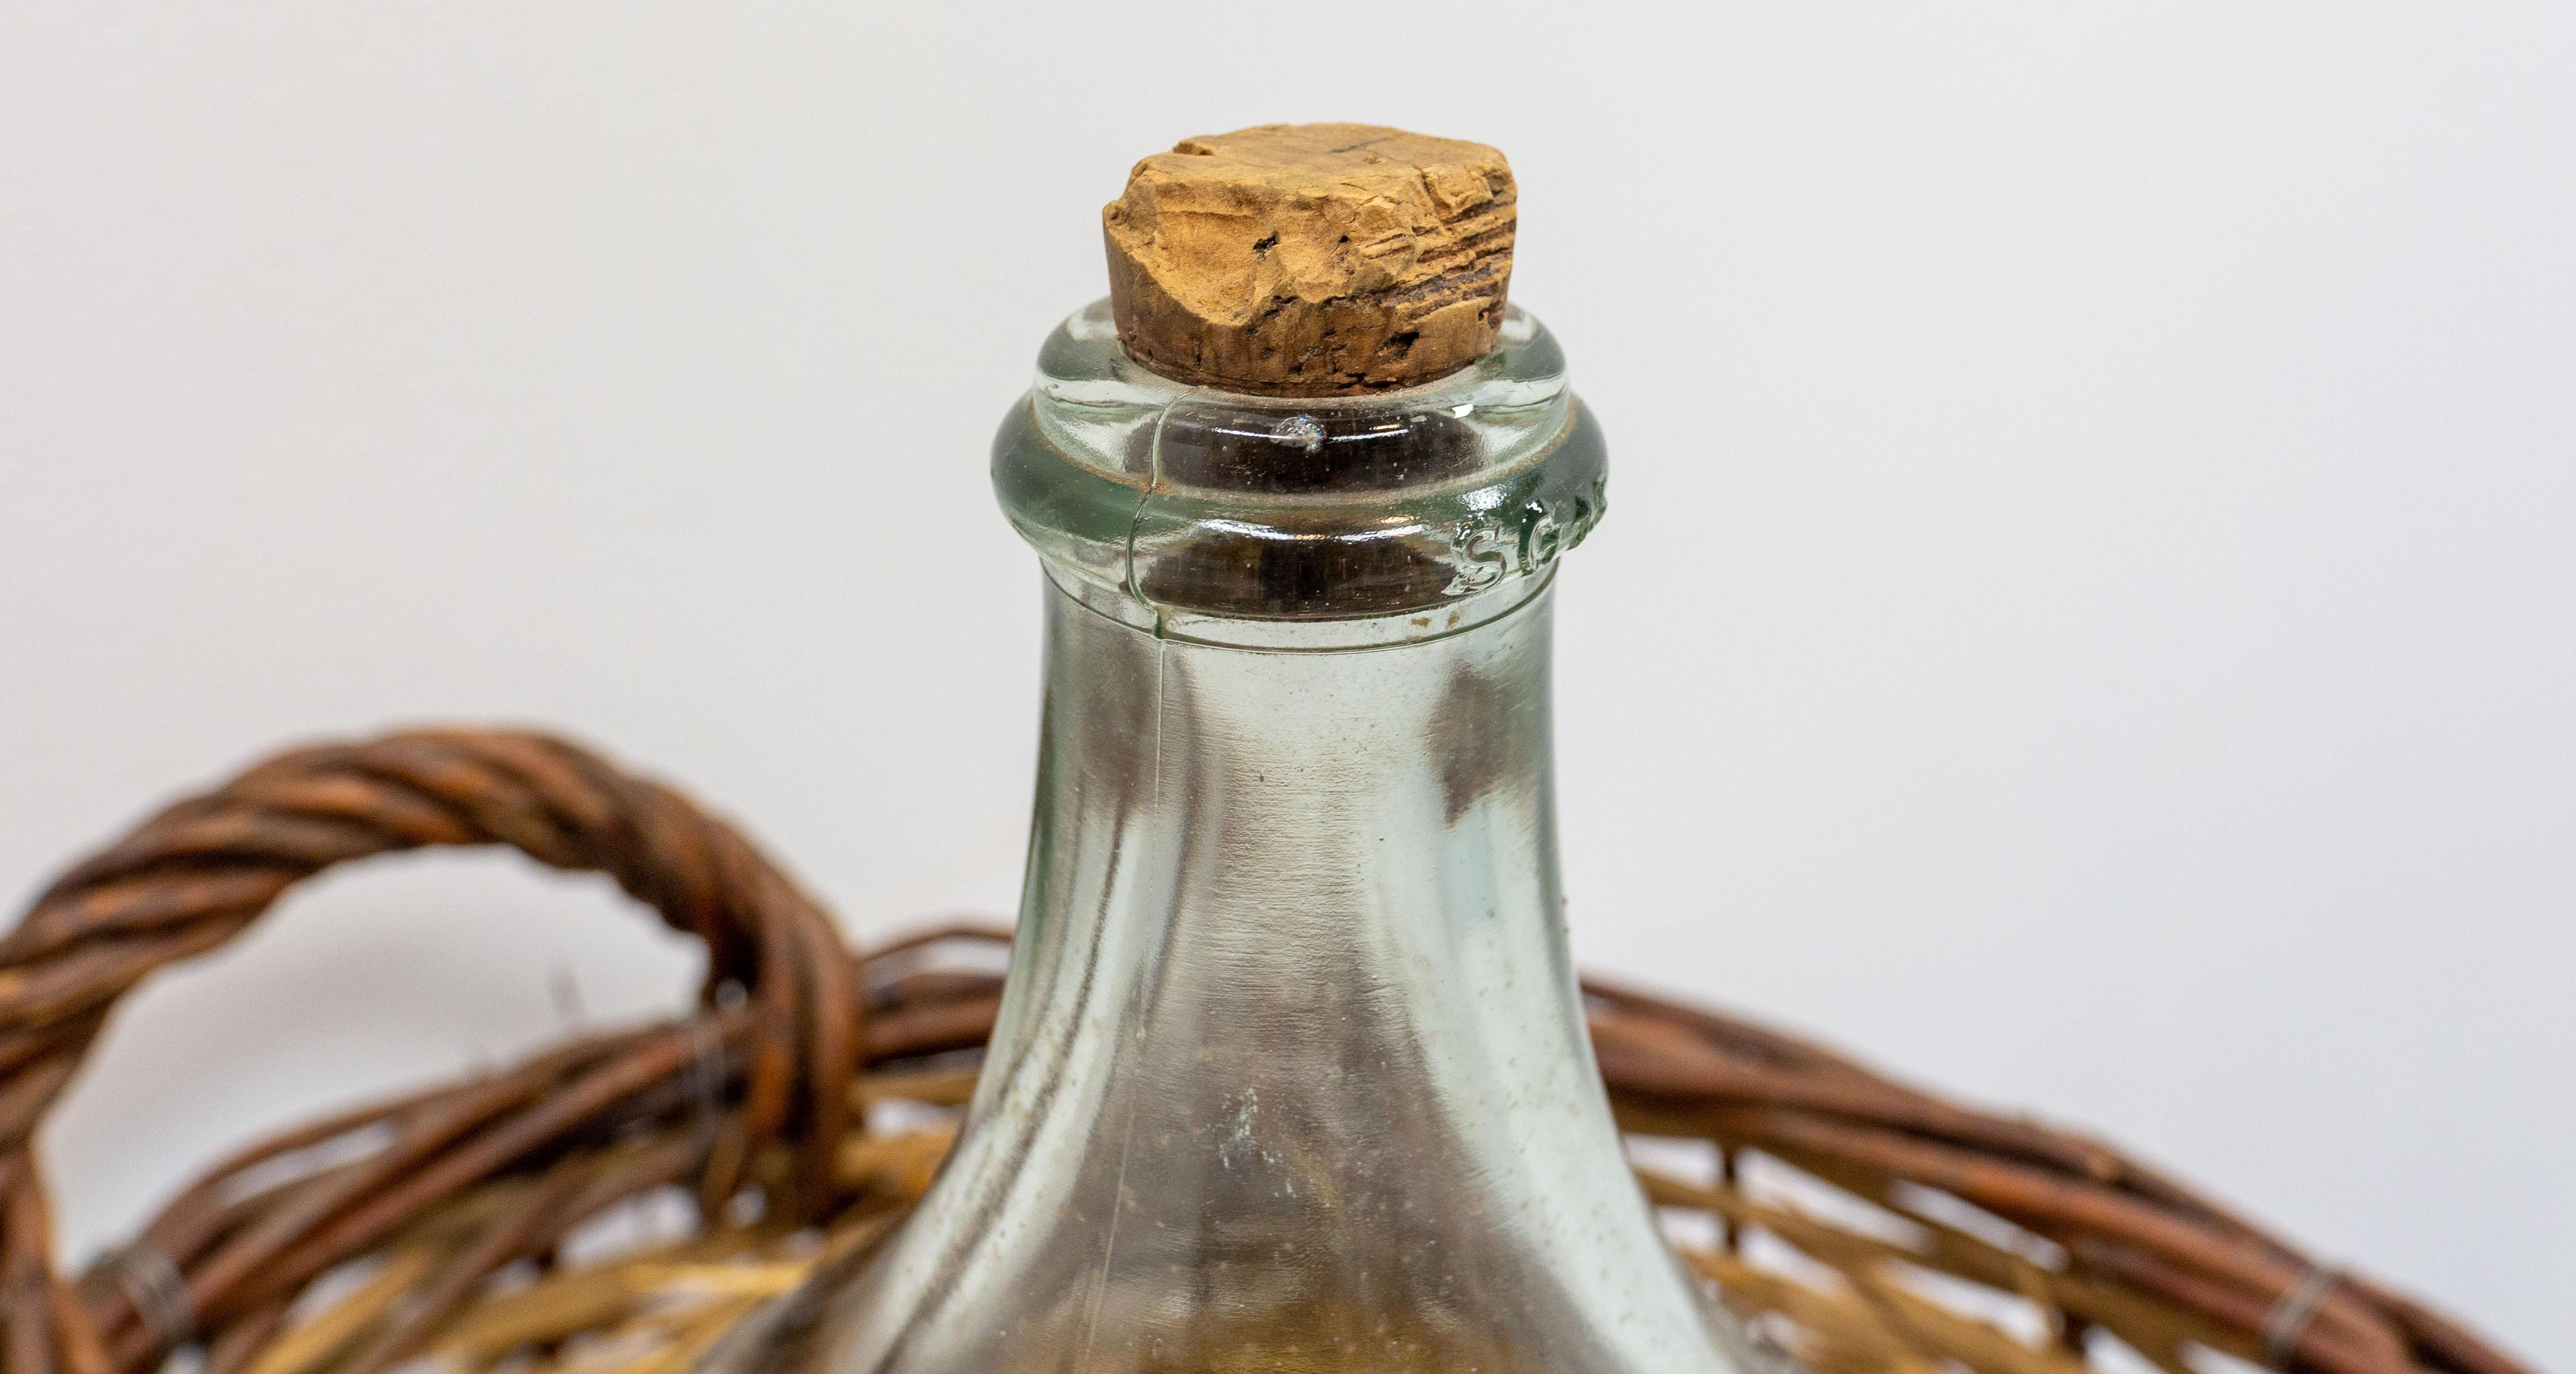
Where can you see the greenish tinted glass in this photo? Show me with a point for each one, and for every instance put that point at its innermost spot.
(1291, 1071)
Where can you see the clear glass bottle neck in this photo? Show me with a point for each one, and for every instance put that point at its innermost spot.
(1291, 1070)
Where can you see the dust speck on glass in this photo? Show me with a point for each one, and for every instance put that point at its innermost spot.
(1290, 1072)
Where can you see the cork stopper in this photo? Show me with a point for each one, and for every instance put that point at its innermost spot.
(1312, 259)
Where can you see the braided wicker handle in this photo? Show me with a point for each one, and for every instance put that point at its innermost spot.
(201, 872)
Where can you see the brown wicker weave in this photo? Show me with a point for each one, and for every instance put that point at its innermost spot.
(1864, 1225)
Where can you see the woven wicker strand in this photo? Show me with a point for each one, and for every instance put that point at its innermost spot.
(1862, 1224)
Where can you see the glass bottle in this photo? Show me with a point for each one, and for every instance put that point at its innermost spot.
(1291, 1071)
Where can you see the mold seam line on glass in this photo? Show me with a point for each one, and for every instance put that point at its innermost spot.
(1162, 649)
(1144, 498)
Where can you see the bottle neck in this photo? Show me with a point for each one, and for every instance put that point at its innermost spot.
(1291, 1025)
(1222, 830)
(1290, 1070)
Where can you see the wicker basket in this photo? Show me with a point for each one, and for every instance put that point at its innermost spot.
(511, 1219)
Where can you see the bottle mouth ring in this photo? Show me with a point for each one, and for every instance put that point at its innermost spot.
(1207, 506)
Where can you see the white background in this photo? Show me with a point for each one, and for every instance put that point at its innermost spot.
(2086, 619)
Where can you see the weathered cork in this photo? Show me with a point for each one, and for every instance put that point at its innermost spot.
(1312, 259)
